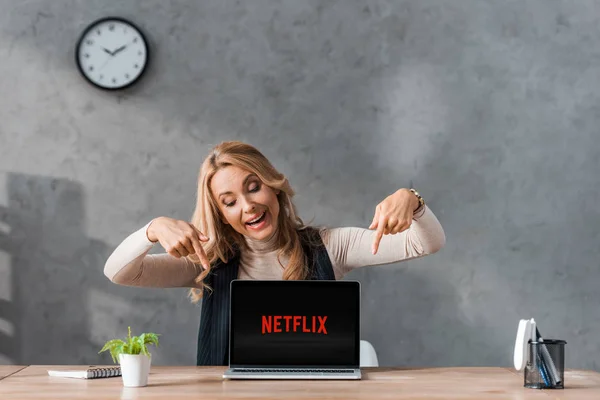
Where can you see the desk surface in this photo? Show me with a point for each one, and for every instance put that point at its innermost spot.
(6, 370)
(33, 382)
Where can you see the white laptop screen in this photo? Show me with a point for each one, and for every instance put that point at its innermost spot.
(295, 323)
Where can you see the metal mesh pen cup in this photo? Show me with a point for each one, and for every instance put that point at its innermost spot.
(545, 367)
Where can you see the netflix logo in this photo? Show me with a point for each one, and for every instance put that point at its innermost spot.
(294, 323)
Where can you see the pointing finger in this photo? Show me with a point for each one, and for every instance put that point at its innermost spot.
(197, 246)
(204, 259)
(381, 226)
(201, 254)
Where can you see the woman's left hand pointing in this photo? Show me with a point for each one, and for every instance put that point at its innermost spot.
(393, 215)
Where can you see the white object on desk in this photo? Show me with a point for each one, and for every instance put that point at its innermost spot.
(524, 333)
(89, 373)
(136, 369)
(368, 356)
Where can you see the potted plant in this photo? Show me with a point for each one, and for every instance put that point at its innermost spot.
(133, 356)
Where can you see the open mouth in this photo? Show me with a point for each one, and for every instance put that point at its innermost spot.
(258, 220)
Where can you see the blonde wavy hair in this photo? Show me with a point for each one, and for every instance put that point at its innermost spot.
(224, 241)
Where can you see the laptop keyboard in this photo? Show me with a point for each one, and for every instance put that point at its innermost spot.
(309, 371)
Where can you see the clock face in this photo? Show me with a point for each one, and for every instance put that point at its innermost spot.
(112, 53)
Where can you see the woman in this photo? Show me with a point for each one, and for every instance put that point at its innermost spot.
(245, 226)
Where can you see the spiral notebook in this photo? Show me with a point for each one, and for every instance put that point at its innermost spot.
(91, 372)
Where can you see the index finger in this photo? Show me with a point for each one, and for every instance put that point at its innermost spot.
(379, 234)
(200, 252)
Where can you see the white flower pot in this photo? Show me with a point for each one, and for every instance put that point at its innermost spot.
(135, 369)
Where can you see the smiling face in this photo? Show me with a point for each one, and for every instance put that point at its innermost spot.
(245, 202)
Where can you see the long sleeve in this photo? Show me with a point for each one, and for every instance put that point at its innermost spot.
(350, 247)
(131, 265)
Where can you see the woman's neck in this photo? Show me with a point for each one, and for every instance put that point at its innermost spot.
(263, 246)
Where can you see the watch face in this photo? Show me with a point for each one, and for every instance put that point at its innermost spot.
(112, 53)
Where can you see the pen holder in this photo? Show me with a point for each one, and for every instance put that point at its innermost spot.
(545, 367)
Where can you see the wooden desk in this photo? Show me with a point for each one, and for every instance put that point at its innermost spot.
(6, 370)
(33, 382)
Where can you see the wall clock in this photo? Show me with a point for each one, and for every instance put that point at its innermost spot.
(112, 53)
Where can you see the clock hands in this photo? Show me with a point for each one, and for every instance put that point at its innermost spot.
(112, 53)
(123, 47)
(119, 49)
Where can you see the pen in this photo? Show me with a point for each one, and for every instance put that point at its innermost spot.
(543, 371)
(535, 357)
(547, 359)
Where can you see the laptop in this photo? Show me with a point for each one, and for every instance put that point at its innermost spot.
(294, 330)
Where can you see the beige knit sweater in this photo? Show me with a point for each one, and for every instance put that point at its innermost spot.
(348, 248)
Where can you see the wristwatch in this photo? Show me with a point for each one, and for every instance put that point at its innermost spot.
(421, 201)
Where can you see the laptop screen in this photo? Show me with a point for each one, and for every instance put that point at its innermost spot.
(295, 323)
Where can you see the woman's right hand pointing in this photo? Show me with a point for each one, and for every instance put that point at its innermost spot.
(179, 238)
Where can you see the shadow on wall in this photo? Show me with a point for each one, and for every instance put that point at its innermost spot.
(9, 327)
(57, 307)
(50, 261)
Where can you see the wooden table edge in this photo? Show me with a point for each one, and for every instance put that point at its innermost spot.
(14, 372)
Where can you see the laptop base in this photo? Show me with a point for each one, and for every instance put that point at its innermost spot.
(292, 373)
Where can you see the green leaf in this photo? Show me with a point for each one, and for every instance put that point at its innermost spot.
(115, 347)
(111, 344)
(139, 341)
(151, 338)
(129, 340)
(132, 345)
(135, 346)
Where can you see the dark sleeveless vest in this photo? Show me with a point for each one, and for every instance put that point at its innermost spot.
(213, 335)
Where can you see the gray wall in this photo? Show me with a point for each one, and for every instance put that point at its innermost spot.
(490, 108)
